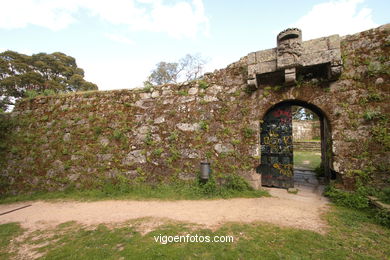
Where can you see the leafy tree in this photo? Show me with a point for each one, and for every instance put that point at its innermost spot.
(56, 72)
(301, 113)
(188, 68)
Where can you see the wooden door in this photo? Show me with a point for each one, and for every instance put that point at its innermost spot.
(276, 166)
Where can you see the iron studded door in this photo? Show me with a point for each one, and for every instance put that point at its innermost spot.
(277, 148)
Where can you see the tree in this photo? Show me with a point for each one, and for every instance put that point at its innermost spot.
(301, 113)
(56, 72)
(190, 67)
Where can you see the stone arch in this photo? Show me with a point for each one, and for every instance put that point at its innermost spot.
(325, 129)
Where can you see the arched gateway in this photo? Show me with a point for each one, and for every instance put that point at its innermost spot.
(276, 140)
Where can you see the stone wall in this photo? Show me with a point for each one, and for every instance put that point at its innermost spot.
(306, 130)
(307, 146)
(162, 134)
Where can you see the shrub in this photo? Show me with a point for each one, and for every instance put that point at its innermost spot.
(235, 182)
(31, 94)
(382, 217)
(357, 199)
(384, 195)
(372, 114)
(117, 134)
(204, 125)
(49, 92)
(248, 132)
(203, 84)
(320, 171)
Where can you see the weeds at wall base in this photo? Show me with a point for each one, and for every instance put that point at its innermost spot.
(232, 188)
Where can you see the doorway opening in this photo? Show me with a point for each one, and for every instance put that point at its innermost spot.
(308, 168)
(295, 145)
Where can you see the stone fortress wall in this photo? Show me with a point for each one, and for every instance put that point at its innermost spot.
(162, 134)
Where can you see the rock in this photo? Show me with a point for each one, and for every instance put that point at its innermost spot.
(186, 99)
(223, 148)
(131, 174)
(74, 157)
(212, 139)
(66, 137)
(112, 173)
(74, 177)
(104, 157)
(104, 141)
(159, 120)
(186, 176)
(82, 122)
(168, 101)
(292, 190)
(136, 156)
(210, 98)
(140, 104)
(145, 95)
(189, 153)
(231, 90)
(214, 89)
(379, 81)
(167, 92)
(193, 91)
(188, 127)
(57, 168)
(155, 94)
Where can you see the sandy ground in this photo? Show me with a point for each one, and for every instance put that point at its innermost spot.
(302, 210)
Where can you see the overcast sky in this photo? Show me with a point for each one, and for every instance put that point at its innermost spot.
(118, 42)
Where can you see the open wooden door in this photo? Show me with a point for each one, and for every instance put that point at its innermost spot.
(276, 166)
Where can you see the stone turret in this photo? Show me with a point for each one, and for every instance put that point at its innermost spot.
(315, 58)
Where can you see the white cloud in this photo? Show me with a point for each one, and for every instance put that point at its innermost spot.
(335, 17)
(182, 19)
(54, 15)
(119, 38)
(117, 73)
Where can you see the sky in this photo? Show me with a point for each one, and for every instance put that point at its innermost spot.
(119, 42)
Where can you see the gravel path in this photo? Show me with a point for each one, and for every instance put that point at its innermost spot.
(302, 210)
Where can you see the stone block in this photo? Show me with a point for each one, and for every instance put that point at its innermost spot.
(266, 55)
(252, 58)
(188, 127)
(266, 67)
(193, 91)
(333, 42)
(135, 156)
(223, 148)
(316, 45)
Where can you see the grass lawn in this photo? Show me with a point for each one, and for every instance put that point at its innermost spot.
(307, 159)
(352, 235)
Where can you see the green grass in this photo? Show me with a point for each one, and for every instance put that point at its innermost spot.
(306, 159)
(179, 191)
(352, 234)
(7, 232)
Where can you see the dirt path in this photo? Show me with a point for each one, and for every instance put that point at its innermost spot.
(300, 210)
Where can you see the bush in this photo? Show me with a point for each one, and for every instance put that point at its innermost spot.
(235, 182)
(31, 94)
(357, 199)
(203, 84)
(382, 217)
(320, 171)
(384, 195)
(49, 92)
